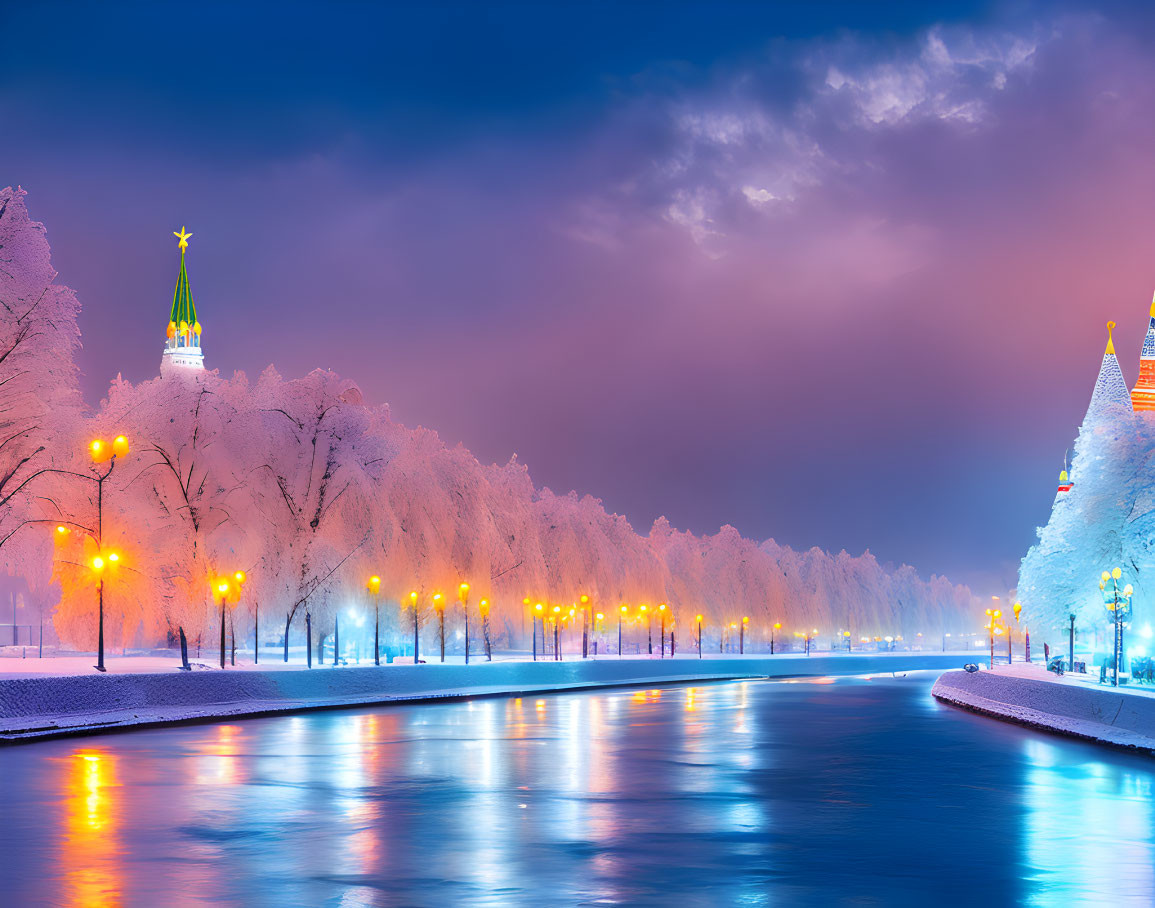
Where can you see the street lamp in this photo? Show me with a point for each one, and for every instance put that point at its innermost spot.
(621, 614)
(645, 609)
(416, 625)
(699, 619)
(992, 625)
(1120, 610)
(846, 636)
(585, 603)
(555, 619)
(1017, 608)
(374, 587)
(599, 629)
(439, 607)
(102, 451)
(463, 598)
(662, 617)
(228, 589)
(483, 607)
(742, 637)
(777, 627)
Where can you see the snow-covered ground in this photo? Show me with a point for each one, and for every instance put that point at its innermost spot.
(76, 700)
(1073, 704)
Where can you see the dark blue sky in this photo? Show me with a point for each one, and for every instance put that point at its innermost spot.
(834, 274)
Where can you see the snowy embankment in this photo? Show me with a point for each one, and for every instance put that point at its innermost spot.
(49, 706)
(1031, 696)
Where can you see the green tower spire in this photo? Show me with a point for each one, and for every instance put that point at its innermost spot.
(182, 320)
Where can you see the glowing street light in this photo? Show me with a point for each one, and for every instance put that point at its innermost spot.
(374, 587)
(777, 627)
(416, 626)
(439, 607)
(539, 611)
(993, 626)
(586, 607)
(621, 615)
(742, 636)
(699, 620)
(463, 598)
(645, 610)
(102, 451)
(555, 619)
(662, 617)
(228, 589)
(483, 607)
(1120, 609)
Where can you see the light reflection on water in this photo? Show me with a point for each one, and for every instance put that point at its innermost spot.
(829, 791)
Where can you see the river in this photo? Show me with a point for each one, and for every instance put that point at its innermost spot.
(856, 791)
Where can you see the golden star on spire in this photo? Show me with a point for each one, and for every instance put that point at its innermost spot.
(183, 237)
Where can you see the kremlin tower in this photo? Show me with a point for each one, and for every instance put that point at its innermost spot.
(1110, 395)
(1143, 394)
(182, 347)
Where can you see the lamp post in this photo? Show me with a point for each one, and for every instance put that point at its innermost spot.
(645, 609)
(599, 629)
(1017, 608)
(662, 619)
(228, 589)
(416, 625)
(944, 636)
(621, 615)
(533, 627)
(1120, 609)
(463, 598)
(102, 451)
(742, 637)
(439, 607)
(483, 607)
(555, 619)
(846, 637)
(993, 616)
(777, 627)
(699, 619)
(1071, 641)
(374, 587)
(585, 603)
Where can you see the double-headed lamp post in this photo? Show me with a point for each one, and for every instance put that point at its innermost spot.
(1118, 603)
(993, 616)
(102, 451)
(228, 590)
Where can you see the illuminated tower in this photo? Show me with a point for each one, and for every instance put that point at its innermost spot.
(182, 347)
(1143, 394)
(1110, 396)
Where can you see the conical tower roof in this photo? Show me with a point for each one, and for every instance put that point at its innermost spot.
(1143, 394)
(1110, 395)
(183, 316)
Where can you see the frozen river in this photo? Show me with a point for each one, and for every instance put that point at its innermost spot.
(824, 791)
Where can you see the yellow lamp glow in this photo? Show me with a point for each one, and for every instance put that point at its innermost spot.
(777, 625)
(699, 618)
(624, 609)
(113, 557)
(61, 530)
(1117, 573)
(120, 446)
(745, 620)
(600, 616)
(538, 607)
(97, 449)
(483, 605)
(98, 563)
(239, 576)
(584, 599)
(662, 607)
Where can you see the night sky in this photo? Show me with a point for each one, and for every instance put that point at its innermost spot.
(830, 274)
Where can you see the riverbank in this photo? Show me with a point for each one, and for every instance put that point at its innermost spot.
(1069, 705)
(39, 706)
